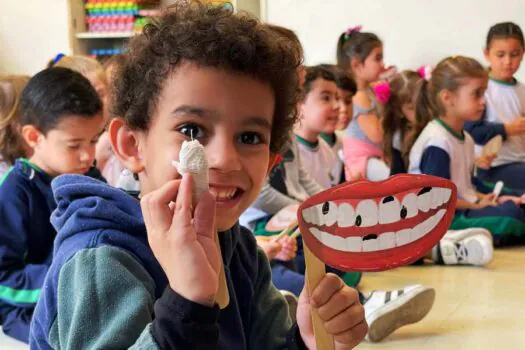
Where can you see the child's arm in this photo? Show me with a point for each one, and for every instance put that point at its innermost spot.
(20, 281)
(271, 201)
(371, 126)
(369, 123)
(482, 131)
(107, 300)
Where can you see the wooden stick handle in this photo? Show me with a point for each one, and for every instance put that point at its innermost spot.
(315, 271)
(285, 232)
(223, 296)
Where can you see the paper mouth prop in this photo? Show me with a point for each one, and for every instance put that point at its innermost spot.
(375, 226)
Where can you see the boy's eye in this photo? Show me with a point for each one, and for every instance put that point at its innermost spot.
(250, 138)
(73, 147)
(191, 131)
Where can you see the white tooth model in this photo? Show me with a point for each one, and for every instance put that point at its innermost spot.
(192, 159)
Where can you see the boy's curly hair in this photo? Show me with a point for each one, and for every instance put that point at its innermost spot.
(209, 36)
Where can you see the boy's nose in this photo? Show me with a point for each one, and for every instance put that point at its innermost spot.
(223, 155)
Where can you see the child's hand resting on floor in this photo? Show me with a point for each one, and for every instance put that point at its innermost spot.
(340, 309)
(183, 241)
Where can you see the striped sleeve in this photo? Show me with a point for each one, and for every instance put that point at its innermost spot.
(20, 283)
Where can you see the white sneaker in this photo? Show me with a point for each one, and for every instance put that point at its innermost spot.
(387, 311)
(465, 247)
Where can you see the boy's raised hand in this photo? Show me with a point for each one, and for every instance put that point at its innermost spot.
(340, 309)
(183, 240)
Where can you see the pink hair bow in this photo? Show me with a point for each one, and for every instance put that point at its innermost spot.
(382, 92)
(425, 72)
(352, 30)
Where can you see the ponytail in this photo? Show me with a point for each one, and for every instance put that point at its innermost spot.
(425, 112)
(343, 61)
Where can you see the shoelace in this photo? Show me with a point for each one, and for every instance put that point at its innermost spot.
(461, 252)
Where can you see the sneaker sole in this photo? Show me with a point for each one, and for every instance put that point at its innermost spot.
(405, 310)
(478, 256)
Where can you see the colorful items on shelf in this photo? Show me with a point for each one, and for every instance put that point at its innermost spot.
(106, 52)
(113, 23)
(118, 16)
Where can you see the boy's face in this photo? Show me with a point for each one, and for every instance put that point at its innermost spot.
(319, 112)
(231, 115)
(345, 109)
(69, 148)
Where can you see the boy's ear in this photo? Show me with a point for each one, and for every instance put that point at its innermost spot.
(486, 53)
(125, 144)
(31, 135)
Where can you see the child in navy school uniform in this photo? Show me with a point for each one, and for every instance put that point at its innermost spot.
(61, 120)
(454, 95)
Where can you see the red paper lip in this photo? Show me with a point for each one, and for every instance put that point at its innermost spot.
(353, 193)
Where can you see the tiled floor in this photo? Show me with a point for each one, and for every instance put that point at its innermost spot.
(475, 308)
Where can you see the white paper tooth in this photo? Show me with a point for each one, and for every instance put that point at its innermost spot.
(439, 215)
(436, 198)
(371, 245)
(319, 215)
(306, 216)
(331, 217)
(317, 234)
(389, 212)
(334, 242)
(367, 210)
(345, 215)
(447, 192)
(353, 244)
(410, 203)
(424, 201)
(387, 240)
(403, 237)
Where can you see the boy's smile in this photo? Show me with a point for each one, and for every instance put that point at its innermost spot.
(231, 115)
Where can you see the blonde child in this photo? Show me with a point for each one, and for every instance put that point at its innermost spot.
(505, 106)
(455, 95)
(149, 269)
(12, 144)
(402, 124)
(361, 54)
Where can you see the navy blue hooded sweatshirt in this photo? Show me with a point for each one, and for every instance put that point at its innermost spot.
(105, 289)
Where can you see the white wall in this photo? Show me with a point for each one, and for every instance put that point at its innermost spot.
(31, 33)
(415, 32)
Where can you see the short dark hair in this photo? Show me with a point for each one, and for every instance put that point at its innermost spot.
(209, 36)
(56, 93)
(343, 79)
(321, 71)
(505, 30)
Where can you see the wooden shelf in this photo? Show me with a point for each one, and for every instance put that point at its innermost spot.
(104, 35)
